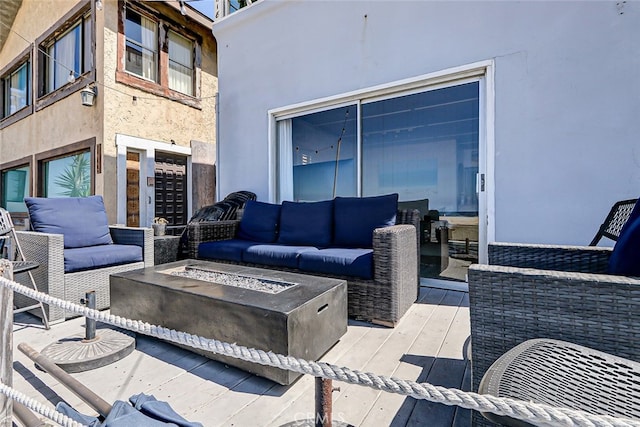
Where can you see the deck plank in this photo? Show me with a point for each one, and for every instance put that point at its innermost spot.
(426, 345)
(416, 363)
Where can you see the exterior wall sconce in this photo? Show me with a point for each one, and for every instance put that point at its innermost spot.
(88, 96)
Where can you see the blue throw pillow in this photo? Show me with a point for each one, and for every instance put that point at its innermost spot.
(625, 258)
(306, 223)
(259, 222)
(82, 220)
(355, 218)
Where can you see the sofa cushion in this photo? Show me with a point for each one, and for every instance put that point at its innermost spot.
(92, 257)
(355, 218)
(82, 220)
(339, 262)
(625, 258)
(228, 250)
(307, 224)
(259, 222)
(275, 255)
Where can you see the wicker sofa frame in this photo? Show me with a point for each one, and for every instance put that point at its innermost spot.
(383, 300)
(48, 250)
(555, 292)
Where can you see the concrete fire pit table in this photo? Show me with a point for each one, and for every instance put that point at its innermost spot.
(292, 314)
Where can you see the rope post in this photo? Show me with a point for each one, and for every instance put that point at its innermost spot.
(324, 389)
(6, 346)
(90, 324)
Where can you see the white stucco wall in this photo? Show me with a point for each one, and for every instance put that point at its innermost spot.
(567, 92)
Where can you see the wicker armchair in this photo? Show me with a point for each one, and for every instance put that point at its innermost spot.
(383, 300)
(556, 292)
(47, 250)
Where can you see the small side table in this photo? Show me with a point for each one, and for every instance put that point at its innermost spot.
(564, 375)
(165, 249)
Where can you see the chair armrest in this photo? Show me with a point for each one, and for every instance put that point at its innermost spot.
(139, 236)
(412, 217)
(586, 259)
(509, 305)
(209, 231)
(394, 264)
(48, 251)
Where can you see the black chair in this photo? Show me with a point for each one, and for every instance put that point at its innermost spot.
(617, 218)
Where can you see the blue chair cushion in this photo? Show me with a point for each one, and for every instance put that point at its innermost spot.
(338, 262)
(259, 222)
(82, 220)
(275, 255)
(306, 224)
(91, 257)
(355, 218)
(625, 258)
(228, 250)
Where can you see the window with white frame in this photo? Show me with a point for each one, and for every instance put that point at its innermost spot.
(420, 144)
(16, 89)
(68, 55)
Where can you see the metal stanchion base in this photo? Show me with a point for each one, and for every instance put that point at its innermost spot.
(75, 354)
(312, 423)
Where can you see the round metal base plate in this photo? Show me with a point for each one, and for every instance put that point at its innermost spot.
(74, 354)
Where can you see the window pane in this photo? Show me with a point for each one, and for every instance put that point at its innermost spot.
(141, 45)
(16, 90)
(15, 187)
(180, 63)
(424, 146)
(323, 147)
(64, 57)
(68, 176)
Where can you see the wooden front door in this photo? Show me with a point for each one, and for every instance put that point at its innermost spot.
(171, 188)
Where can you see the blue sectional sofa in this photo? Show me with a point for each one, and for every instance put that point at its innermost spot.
(77, 250)
(363, 240)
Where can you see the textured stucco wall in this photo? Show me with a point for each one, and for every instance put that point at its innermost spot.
(67, 121)
(57, 125)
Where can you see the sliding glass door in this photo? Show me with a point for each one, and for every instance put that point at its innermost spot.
(423, 145)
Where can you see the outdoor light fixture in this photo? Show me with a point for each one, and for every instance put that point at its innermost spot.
(183, 10)
(88, 95)
(99, 4)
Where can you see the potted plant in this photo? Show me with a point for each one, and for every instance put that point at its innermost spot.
(159, 226)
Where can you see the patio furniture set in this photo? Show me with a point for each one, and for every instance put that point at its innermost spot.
(578, 297)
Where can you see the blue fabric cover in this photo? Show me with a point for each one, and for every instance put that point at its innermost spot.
(355, 218)
(309, 224)
(228, 250)
(88, 258)
(259, 222)
(82, 220)
(146, 412)
(625, 258)
(338, 261)
(275, 255)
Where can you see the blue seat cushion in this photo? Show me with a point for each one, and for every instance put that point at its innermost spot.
(625, 258)
(259, 222)
(355, 218)
(275, 255)
(306, 224)
(92, 257)
(339, 262)
(228, 250)
(82, 220)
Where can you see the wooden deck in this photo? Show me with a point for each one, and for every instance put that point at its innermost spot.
(429, 344)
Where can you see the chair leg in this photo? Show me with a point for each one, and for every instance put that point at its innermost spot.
(45, 319)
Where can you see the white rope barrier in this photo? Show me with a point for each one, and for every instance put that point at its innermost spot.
(538, 414)
(38, 407)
